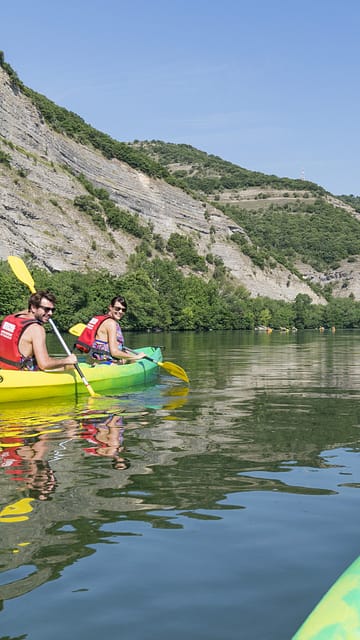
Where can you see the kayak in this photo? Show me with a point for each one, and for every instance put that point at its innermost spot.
(19, 386)
(337, 616)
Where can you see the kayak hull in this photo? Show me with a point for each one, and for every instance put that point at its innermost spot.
(337, 616)
(21, 386)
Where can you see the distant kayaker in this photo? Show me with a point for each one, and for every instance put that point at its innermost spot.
(103, 338)
(23, 337)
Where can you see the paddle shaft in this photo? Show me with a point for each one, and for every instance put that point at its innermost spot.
(145, 357)
(170, 367)
(67, 350)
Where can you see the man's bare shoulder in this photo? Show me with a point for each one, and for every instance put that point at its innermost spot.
(34, 329)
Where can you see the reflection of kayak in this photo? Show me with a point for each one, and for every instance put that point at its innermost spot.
(17, 386)
(337, 615)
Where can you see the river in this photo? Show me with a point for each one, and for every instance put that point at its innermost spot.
(219, 511)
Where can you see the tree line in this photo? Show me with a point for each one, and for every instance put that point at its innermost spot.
(159, 296)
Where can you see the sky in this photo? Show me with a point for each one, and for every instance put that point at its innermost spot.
(270, 85)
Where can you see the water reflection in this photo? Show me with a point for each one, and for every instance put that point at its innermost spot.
(264, 414)
(24, 458)
(77, 461)
(107, 439)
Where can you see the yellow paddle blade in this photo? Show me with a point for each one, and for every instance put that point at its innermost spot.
(174, 370)
(14, 519)
(178, 397)
(14, 433)
(77, 329)
(18, 508)
(12, 445)
(21, 271)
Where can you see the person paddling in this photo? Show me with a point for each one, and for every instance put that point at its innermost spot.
(103, 338)
(23, 337)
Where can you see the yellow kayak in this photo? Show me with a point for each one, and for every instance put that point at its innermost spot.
(19, 386)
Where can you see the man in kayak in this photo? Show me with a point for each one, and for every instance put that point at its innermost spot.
(23, 337)
(103, 338)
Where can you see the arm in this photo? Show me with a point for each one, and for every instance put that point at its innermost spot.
(33, 342)
(113, 344)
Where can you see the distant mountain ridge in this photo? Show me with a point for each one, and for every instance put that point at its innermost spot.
(205, 172)
(74, 199)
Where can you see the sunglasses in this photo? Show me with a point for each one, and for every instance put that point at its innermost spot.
(47, 309)
(122, 309)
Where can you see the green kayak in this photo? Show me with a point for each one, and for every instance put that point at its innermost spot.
(20, 386)
(337, 616)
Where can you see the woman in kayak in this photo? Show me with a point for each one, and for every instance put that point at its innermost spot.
(103, 338)
(23, 337)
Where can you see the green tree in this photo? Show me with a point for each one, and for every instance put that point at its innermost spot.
(342, 313)
(14, 296)
(283, 314)
(302, 310)
(144, 308)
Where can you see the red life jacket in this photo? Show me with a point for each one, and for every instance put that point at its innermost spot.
(11, 330)
(87, 338)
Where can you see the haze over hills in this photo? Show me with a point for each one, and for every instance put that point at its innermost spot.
(72, 198)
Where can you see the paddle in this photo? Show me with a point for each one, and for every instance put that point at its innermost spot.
(21, 271)
(15, 512)
(170, 367)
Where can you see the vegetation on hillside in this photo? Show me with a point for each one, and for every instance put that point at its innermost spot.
(159, 296)
(99, 206)
(5, 159)
(199, 171)
(317, 233)
(184, 252)
(102, 210)
(353, 201)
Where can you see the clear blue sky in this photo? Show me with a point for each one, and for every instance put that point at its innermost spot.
(271, 85)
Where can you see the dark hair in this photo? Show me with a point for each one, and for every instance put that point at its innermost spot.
(35, 298)
(120, 299)
(120, 464)
(44, 482)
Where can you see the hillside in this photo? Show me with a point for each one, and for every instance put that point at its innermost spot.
(294, 222)
(74, 199)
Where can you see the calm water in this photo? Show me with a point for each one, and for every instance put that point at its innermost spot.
(220, 513)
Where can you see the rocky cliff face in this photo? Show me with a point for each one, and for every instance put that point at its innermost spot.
(39, 219)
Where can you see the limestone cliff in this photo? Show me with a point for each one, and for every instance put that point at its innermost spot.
(39, 220)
